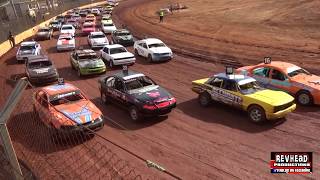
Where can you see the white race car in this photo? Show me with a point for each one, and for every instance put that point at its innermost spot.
(28, 49)
(68, 29)
(108, 28)
(116, 54)
(153, 49)
(97, 39)
(66, 42)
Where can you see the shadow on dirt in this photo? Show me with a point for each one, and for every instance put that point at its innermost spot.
(225, 115)
(118, 118)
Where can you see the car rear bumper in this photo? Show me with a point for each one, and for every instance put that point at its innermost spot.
(42, 80)
(281, 114)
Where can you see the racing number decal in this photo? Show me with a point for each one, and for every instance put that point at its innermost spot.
(226, 97)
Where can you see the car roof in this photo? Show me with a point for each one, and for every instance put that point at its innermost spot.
(97, 33)
(113, 46)
(81, 52)
(129, 75)
(38, 58)
(152, 40)
(238, 78)
(58, 89)
(283, 66)
(28, 43)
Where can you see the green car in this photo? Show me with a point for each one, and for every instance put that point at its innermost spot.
(86, 62)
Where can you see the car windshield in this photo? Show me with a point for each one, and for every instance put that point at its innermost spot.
(108, 24)
(117, 50)
(88, 26)
(98, 36)
(156, 45)
(122, 34)
(67, 28)
(138, 82)
(25, 48)
(65, 98)
(43, 30)
(250, 88)
(297, 72)
(87, 56)
(39, 64)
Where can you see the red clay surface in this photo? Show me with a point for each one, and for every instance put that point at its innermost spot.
(192, 142)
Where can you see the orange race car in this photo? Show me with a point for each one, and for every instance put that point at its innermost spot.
(64, 107)
(286, 77)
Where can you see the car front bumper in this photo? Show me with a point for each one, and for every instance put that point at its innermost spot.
(157, 112)
(280, 114)
(124, 61)
(24, 57)
(65, 47)
(162, 57)
(88, 71)
(44, 79)
(91, 126)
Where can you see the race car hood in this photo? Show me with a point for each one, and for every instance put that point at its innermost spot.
(91, 63)
(99, 40)
(39, 72)
(150, 94)
(274, 98)
(312, 81)
(160, 50)
(122, 55)
(79, 112)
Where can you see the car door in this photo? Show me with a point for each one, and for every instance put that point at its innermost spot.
(107, 87)
(73, 59)
(230, 94)
(119, 91)
(42, 106)
(106, 53)
(214, 88)
(279, 81)
(261, 74)
(141, 48)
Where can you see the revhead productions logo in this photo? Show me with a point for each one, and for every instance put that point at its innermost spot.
(291, 162)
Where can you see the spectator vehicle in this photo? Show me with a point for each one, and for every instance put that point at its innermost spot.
(86, 62)
(28, 49)
(91, 16)
(66, 42)
(123, 37)
(137, 93)
(55, 25)
(116, 54)
(106, 20)
(95, 11)
(108, 28)
(284, 76)
(83, 13)
(44, 33)
(243, 92)
(60, 18)
(40, 69)
(153, 49)
(68, 29)
(87, 28)
(92, 21)
(76, 17)
(97, 39)
(64, 108)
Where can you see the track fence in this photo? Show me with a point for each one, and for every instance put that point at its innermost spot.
(43, 152)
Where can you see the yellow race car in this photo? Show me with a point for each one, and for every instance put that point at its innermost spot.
(243, 92)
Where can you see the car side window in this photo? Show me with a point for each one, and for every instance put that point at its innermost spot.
(118, 85)
(277, 75)
(144, 45)
(106, 50)
(262, 71)
(216, 82)
(229, 85)
(110, 82)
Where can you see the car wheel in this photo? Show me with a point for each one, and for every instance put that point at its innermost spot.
(104, 98)
(204, 99)
(256, 114)
(134, 114)
(79, 73)
(150, 58)
(304, 98)
(111, 64)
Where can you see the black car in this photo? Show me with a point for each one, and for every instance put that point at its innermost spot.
(40, 69)
(60, 18)
(123, 37)
(137, 93)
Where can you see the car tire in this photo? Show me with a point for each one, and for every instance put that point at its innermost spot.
(79, 73)
(134, 114)
(150, 60)
(256, 114)
(104, 98)
(204, 99)
(304, 98)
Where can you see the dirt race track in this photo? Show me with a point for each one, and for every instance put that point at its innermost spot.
(194, 142)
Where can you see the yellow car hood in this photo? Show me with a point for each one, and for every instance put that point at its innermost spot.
(200, 81)
(272, 97)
